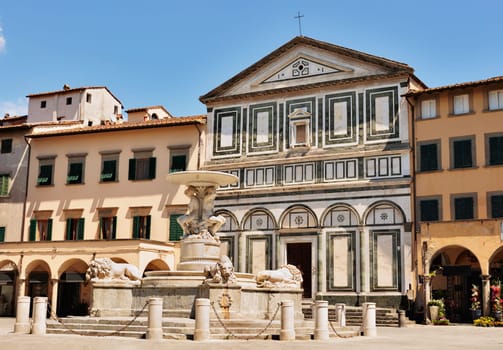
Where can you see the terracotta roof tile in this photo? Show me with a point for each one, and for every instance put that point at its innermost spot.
(498, 79)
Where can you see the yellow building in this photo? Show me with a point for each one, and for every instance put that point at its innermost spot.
(458, 193)
(98, 191)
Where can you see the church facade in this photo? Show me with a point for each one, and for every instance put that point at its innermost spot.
(319, 136)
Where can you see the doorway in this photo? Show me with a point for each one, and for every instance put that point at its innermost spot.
(300, 255)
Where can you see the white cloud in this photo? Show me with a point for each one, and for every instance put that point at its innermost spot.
(18, 107)
(2, 41)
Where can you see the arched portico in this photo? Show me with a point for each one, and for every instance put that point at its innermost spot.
(8, 285)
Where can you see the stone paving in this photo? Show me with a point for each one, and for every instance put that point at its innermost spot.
(388, 338)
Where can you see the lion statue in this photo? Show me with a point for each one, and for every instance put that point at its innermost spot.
(105, 269)
(221, 272)
(287, 276)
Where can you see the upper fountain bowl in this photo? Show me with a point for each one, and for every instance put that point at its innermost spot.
(202, 178)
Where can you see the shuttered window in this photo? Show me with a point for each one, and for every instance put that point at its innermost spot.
(175, 230)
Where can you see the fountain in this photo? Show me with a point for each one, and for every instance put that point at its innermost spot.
(202, 272)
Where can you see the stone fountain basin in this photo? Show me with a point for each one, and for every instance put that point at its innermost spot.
(202, 178)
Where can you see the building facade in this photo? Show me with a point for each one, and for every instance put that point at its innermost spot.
(99, 191)
(319, 136)
(458, 193)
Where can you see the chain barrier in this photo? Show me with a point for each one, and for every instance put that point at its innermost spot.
(54, 317)
(341, 335)
(231, 334)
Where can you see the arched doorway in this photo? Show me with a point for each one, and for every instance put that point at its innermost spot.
(156, 265)
(8, 278)
(74, 294)
(455, 269)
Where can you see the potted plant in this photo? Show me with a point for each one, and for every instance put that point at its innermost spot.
(475, 302)
(496, 302)
(435, 306)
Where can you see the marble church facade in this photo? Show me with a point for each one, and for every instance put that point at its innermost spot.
(319, 136)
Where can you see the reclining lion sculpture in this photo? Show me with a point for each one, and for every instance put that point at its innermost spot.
(287, 276)
(221, 272)
(105, 269)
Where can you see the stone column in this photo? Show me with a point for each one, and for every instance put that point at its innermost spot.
(364, 261)
(39, 315)
(287, 331)
(54, 297)
(21, 287)
(154, 330)
(427, 297)
(321, 321)
(486, 294)
(22, 324)
(369, 319)
(202, 324)
(340, 310)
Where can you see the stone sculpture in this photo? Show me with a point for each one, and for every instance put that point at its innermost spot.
(221, 272)
(105, 269)
(287, 276)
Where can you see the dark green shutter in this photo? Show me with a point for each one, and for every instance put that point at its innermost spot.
(114, 226)
(75, 173)
(33, 230)
(108, 171)
(151, 168)
(68, 229)
(147, 229)
(49, 229)
(136, 227)
(2, 234)
(175, 230)
(80, 229)
(132, 169)
(178, 163)
(4, 185)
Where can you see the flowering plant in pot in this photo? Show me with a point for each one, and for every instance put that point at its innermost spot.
(475, 302)
(496, 301)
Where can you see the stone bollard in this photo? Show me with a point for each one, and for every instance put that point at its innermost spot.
(22, 324)
(154, 330)
(321, 321)
(402, 319)
(287, 321)
(39, 315)
(369, 320)
(340, 310)
(202, 328)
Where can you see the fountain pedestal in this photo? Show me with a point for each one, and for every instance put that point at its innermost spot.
(197, 253)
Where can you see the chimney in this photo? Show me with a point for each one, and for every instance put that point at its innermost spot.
(66, 87)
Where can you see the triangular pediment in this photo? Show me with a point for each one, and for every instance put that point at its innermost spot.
(303, 67)
(305, 62)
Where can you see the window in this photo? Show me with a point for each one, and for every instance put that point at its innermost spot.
(175, 230)
(108, 227)
(74, 229)
(141, 226)
(40, 230)
(43, 104)
(461, 104)
(429, 209)
(45, 172)
(178, 158)
(6, 146)
(68, 100)
(496, 205)
(429, 156)
(109, 166)
(464, 207)
(4, 184)
(494, 149)
(75, 170)
(2, 233)
(495, 100)
(116, 109)
(300, 127)
(142, 166)
(428, 109)
(88, 98)
(462, 153)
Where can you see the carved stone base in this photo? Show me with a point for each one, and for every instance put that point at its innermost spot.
(196, 253)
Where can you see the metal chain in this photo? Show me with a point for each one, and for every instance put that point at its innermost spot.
(53, 316)
(339, 335)
(231, 334)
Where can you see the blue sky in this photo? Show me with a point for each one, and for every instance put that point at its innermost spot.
(161, 52)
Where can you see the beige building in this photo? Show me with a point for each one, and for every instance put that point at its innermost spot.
(99, 191)
(458, 192)
(147, 113)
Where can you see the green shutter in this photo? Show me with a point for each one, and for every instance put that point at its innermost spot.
(68, 229)
(33, 230)
(75, 173)
(2, 234)
(80, 229)
(136, 227)
(114, 227)
(175, 230)
(108, 171)
(49, 229)
(147, 234)
(151, 168)
(4, 185)
(132, 169)
(178, 163)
